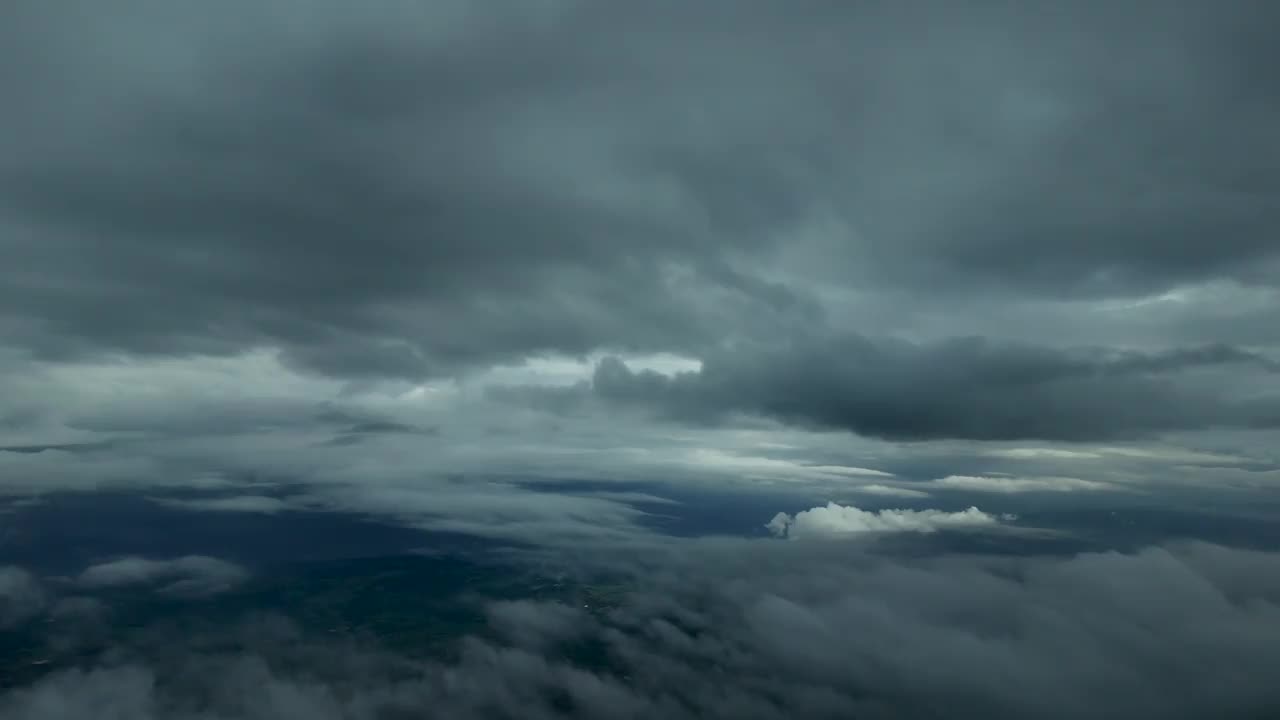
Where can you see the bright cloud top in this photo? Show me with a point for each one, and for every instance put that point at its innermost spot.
(1010, 484)
(835, 520)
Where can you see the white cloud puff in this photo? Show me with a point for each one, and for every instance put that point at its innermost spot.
(835, 520)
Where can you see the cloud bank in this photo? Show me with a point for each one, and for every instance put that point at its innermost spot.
(969, 388)
(306, 243)
(778, 631)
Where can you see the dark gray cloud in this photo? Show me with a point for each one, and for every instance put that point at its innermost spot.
(62, 447)
(967, 388)
(778, 630)
(417, 188)
(367, 196)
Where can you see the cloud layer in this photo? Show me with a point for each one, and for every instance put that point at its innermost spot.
(782, 630)
(994, 225)
(414, 190)
(966, 388)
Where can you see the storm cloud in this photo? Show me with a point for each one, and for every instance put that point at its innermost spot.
(418, 189)
(401, 192)
(965, 388)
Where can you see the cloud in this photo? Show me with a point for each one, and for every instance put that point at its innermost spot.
(1006, 484)
(243, 246)
(482, 508)
(234, 503)
(833, 520)
(21, 596)
(765, 630)
(1170, 454)
(82, 609)
(405, 259)
(430, 217)
(469, 479)
(750, 465)
(968, 388)
(890, 491)
(533, 624)
(188, 575)
(410, 191)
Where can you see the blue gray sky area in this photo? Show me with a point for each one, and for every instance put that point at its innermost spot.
(883, 297)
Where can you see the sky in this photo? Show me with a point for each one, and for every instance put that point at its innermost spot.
(545, 272)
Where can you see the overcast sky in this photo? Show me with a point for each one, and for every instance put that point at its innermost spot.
(714, 241)
(529, 270)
